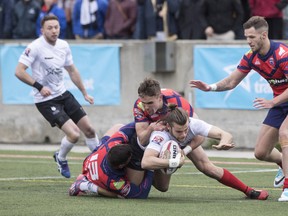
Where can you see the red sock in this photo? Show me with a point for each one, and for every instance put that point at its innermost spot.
(232, 181)
(285, 183)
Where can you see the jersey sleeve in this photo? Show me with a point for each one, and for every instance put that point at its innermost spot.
(157, 139)
(139, 112)
(69, 58)
(29, 55)
(244, 65)
(199, 127)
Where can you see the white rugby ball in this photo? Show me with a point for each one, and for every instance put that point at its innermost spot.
(169, 151)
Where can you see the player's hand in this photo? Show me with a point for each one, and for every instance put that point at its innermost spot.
(89, 98)
(181, 159)
(261, 103)
(158, 126)
(45, 91)
(200, 85)
(223, 146)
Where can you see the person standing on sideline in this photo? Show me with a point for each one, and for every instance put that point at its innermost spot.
(48, 56)
(270, 60)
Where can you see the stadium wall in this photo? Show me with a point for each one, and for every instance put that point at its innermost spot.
(23, 124)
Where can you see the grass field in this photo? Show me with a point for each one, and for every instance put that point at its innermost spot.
(31, 185)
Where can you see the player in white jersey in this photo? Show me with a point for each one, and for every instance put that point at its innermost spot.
(47, 57)
(183, 130)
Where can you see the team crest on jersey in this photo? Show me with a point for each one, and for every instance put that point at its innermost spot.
(27, 51)
(271, 61)
(118, 185)
(158, 139)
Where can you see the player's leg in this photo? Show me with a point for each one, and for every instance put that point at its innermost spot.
(265, 150)
(161, 181)
(283, 139)
(54, 113)
(265, 147)
(203, 164)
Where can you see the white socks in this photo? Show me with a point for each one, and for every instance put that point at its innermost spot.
(65, 148)
(89, 187)
(92, 143)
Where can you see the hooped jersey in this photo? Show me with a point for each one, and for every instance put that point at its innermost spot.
(169, 96)
(273, 66)
(98, 170)
(196, 127)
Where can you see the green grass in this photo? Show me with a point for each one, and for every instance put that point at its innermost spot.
(31, 185)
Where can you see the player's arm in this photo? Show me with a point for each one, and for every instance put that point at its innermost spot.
(151, 161)
(227, 83)
(22, 75)
(106, 193)
(25, 77)
(76, 79)
(144, 130)
(226, 139)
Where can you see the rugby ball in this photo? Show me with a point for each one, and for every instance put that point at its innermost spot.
(169, 151)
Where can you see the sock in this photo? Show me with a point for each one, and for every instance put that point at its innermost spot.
(92, 143)
(285, 183)
(232, 181)
(89, 187)
(279, 164)
(65, 148)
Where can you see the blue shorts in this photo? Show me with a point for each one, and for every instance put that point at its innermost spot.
(276, 115)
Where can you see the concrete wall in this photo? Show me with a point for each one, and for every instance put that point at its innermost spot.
(23, 123)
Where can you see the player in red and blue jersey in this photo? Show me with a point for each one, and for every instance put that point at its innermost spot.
(149, 109)
(104, 170)
(270, 60)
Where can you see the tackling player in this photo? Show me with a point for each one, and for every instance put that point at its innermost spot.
(270, 60)
(104, 170)
(149, 108)
(183, 130)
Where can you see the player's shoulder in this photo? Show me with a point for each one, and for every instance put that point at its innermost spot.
(281, 49)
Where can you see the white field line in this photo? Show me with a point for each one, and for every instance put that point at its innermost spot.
(182, 173)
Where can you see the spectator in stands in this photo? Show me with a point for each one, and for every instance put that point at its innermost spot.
(67, 6)
(88, 18)
(6, 8)
(24, 16)
(50, 7)
(223, 19)
(272, 11)
(146, 20)
(120, 19)
(190, 20)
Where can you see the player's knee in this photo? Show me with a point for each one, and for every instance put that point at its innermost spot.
(74, 137)
(260, 155)
(89, 132)
(161, 188)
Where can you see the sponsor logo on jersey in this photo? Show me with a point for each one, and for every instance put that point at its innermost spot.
(277, 81)
(48, 57)
(125, 190)
(118, 185)
(158, 139)
(257, 62)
